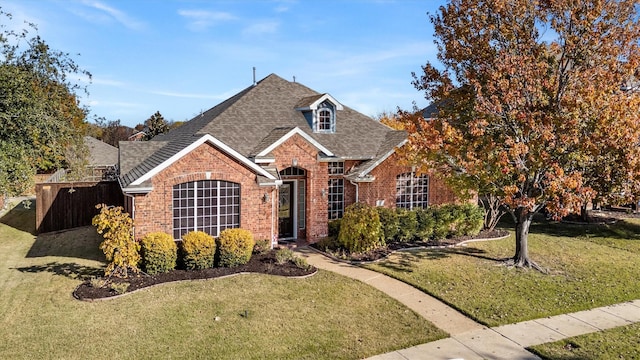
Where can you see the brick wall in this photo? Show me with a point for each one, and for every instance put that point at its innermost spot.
(154, 211)
(384, 187)
(306, 157)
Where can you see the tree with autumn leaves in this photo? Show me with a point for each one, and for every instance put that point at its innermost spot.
(533, 105)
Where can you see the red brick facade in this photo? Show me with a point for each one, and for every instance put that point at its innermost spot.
(154, 212)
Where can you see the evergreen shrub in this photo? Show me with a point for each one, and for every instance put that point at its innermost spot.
(235, 247)
(360, 229)
(159, 253)
(198, 250)
(407, 225)
(389, 223)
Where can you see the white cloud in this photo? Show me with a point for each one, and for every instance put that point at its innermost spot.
(110, 13)
(265, 27)
(200, 20)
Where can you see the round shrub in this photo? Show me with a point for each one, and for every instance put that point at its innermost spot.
(360, 229)
(235, 247)
(389, 223)
(159, 253)
(198, 250)
(407, 225)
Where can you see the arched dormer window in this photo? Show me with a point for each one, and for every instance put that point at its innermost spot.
(324, 120)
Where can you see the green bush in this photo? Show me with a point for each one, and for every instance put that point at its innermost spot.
(444, 219)
(425, 223)
(284, 255)
(474, 220)
(334, 228)
(159, 253)
(198, 250)
(262, 246)
(389, 223)
(234, 247)
(407, 225)
(360, 229)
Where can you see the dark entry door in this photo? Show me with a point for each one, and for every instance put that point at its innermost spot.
(285, 210)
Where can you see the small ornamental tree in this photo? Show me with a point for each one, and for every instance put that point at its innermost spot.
(119, 246)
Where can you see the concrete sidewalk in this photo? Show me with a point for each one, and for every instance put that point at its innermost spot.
(470, 340)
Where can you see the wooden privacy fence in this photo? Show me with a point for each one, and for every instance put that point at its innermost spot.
(64, 205)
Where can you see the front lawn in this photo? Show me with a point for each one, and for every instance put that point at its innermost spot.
(590, 266)
(242, 317)
(617, 343)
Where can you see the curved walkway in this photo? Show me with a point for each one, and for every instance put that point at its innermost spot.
(470, 340)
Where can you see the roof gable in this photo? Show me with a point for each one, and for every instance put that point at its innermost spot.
(289, 134)
(204, 139)
(313, 102)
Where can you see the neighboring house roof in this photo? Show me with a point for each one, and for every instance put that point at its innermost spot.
(101, 153)
(255, 119)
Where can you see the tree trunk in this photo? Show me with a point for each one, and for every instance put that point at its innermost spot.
(523, 222)
(584, 215)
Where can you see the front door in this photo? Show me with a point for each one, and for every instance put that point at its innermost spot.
(286, 209)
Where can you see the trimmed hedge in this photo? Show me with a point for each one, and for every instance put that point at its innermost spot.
(198, 249)
(235, 247)
(389, 222)
(360, 229)
(407, 225)
(159, 253)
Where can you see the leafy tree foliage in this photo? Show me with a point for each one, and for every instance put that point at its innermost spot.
(110, 131)
(530, 104)
(39, 112)
(156, 125)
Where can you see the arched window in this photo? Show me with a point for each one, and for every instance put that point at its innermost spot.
(326, 122)
(412, 191)
(208, 205)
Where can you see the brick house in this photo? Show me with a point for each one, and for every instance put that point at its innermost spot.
(278, 159)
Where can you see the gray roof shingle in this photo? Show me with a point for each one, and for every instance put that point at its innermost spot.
(256, 117)
(101, 153)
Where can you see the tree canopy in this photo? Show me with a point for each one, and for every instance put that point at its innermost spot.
(532, 104)
(40, 116)
(156, 125)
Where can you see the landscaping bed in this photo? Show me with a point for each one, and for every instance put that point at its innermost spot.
(260, 263)
(332, 248)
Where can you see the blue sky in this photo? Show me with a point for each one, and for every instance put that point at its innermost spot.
(183, 56)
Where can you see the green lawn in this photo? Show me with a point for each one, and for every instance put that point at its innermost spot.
(325, 316)
(590, 266)
(617, 343)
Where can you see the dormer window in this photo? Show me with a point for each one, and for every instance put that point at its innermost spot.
(326, 121)
(320, 112)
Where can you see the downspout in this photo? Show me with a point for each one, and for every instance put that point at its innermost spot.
(274, 240)
(133, 211)
(357, 189)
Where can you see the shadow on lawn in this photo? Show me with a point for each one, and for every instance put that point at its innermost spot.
(404, 260)
(81, 243)
(69, 270)
(622, 230)
(22, 216)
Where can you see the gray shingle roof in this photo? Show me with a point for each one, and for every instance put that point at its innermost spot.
(101, 153)
(253, 119)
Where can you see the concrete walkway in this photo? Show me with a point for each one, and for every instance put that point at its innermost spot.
(470, 340)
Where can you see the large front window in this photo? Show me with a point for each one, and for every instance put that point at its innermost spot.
(412, 191)
(208, 205)
(336, 198)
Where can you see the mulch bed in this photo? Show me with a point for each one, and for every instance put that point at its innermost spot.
(385, 251)
(259, 263)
